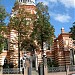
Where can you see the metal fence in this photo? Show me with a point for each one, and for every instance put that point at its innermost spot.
(71, 68)
(61, 69)
(11, 71)
(56, 69)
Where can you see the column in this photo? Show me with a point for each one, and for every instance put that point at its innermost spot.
(36, 63)
(67, 70)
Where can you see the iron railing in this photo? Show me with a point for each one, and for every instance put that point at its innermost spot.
(56, 69)
(11, 71)
(61, 69)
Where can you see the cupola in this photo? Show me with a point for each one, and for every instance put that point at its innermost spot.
(62, 30)
(26, 1)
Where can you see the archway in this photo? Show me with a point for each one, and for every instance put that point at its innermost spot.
(5, 63)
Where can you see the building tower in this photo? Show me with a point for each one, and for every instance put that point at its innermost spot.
(26, 1)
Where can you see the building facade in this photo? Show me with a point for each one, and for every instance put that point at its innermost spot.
(62, 51)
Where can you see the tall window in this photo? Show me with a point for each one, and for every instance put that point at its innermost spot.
(28, 0)
(21, 0)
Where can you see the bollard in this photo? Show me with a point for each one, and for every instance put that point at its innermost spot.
(67, 70)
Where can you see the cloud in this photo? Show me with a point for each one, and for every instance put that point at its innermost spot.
(68, 3)
(46, 2)
(62, 18)
(55, 1)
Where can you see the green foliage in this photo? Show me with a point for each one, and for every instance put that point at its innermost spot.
(16, 3)
(1, 43)
(43, 31)
(28, 45)
(3, 15)
(22, 25)
(72, 30)
(51, 63)
(18, 22)
(5, 44)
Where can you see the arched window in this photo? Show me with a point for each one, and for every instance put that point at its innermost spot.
(5, 63)
(21, 0)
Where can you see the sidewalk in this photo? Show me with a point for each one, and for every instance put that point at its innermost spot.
(34, 73)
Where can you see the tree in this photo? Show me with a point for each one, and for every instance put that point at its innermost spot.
(43, 31)
(29, 45)
(21, 21)
(72, 30)
(1, 43)
(3, 29)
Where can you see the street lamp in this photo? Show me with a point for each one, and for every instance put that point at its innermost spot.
(44, 62)
(64, 57)
(24, 60)
(65, 61)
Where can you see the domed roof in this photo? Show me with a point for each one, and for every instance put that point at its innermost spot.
(27, 2)
(62, 28)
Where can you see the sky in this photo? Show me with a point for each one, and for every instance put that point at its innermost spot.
(62, 12)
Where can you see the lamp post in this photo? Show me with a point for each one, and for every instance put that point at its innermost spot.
(24, 62)
(27, 64)
(65, 61)
(19, 48)
(24, 59)
(64, 57)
